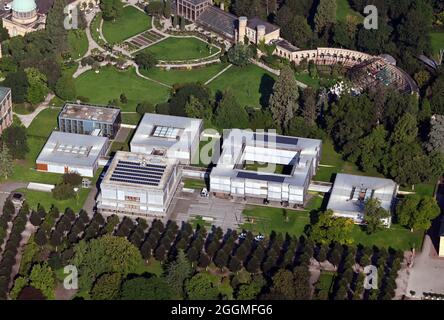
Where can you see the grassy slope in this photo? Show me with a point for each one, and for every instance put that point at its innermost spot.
(344, 9)
(268, 219)
(109, 83)
(132, 22)
(180, 49)
(437, 41)
(184, 76)
(78, 43)
(251, 85)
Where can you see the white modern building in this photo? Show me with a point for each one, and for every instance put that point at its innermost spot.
(350, 192)
(138, 185)
(70, 152)
(170, 136)
(265, 165)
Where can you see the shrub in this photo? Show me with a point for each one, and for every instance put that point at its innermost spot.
(145, 60)
(63, 191)
(72, 178)
(145, 107)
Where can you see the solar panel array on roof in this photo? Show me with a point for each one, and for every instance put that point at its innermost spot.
(256, 176)
(277, 139)
(137, 173)
(165, 132)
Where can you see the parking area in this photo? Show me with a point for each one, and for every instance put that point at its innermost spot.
(188, 204)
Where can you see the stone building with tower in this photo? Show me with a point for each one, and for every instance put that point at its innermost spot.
(234, 29)
(23, 18)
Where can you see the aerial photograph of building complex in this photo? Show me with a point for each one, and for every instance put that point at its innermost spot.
(244, 150)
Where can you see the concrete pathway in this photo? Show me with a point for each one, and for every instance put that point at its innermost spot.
(217, 75)
(148, 78)
(26, 119)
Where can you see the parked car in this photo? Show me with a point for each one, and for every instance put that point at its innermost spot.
(204, 193)
(259, 237)
(243, 235)
(17, 198)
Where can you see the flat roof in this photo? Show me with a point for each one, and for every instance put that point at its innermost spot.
(350, 191)
(89, 112)
(138, 170)
(242, 144)
(72, 149)
(158, 131)
(3, 92)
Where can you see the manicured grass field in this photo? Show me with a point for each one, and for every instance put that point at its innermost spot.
(131, 118)
(344, 9)
(46, 199)
(335, 164)
(180, 49)
(325, 281)
(172, 77)
(78, 43)
(251, 85)
(94, 27)
(194, 184)
(38, 132)
(266, 219)
(437, 41)
(131, 22)
(109, 83)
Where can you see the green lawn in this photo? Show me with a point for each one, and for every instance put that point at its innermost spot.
(335, 164)
(325, 281)
(199, 221)
(94, 27)
(180, 49)
(44, 123)
(131, 22)
(38, 132)
(266, 219)
(78, 43)
(46, 199)
(194, 183)
(109, 83)
(251, 85)
(131, 118)
(437, 41)
(344, 9)
(172, 77)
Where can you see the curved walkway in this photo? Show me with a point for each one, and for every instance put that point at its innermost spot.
(26, 119)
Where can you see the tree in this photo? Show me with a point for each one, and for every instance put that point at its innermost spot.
(406, 130)
(141, 288)
(42, 278)
(371, 151)
(146, 60)
(107, 287)
(201, 287)
(155, 8)
(111, 9)
(167, 9)
(38, 88)
(72, 178)
(178, 272)
(19, 284)
(325, 15)
(374, 215)
(65, 88)
(309, 106)
(145, 107)
(436, 135)
(107, 254)
(195, 109)
(284, 99)
(16, 141)
(229, 114)
(250, 291)
(63, 191)
(55, 29)
(18, 82)
(282, 287)
(417, 212)
(5, 162)
(40, 237)
(330, 229)
(240, 55)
